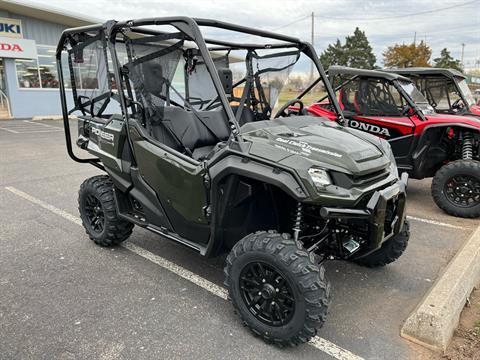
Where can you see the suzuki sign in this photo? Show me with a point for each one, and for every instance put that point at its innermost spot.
(17, 48)
(11, 28)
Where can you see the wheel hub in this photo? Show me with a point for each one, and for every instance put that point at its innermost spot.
(268, 291)
(267, 294)
(463, 190)
(94, 213)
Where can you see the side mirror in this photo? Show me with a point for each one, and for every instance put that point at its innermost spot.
(226, 78)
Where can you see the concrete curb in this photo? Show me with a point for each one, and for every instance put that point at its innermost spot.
(434, 320)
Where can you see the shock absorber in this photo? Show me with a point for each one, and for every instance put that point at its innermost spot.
(467, 146)
(297, 221)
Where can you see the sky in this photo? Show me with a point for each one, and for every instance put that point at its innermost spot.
(440, 23)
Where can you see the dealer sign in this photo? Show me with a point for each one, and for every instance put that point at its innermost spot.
(11, 28)
(17, 48)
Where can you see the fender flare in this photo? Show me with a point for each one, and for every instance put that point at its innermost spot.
(421, 149)
(245, 167)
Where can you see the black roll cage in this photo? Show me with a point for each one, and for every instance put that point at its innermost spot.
(450, 74)
(356, 73)
(455, 80)
(191, 27)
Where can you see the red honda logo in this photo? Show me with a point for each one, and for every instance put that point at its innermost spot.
(10, 47)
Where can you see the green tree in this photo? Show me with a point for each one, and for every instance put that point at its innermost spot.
(400, 56)
(333, 55)
(356, 52)
(447, 61)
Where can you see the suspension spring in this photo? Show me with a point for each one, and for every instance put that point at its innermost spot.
(467, 146)
(297, 221)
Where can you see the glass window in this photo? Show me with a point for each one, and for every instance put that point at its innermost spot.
(27, 73)
(47, 66)
(42, 72)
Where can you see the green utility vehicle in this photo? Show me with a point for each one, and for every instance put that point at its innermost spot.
(195, 149)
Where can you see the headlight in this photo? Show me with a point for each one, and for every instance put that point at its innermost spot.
(393, 164)
(319, 177)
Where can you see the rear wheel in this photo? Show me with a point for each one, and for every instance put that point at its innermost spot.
(98, 212)
(276, 288)
(456, 188)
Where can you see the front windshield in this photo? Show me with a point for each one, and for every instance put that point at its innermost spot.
(467, 94)
(416, 96)
(266, 79)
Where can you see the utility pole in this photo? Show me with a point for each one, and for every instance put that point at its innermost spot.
(463, 51)
(415, 39)
(312, 40)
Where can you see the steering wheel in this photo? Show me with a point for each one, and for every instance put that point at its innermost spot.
(282, 110)
(458, 105)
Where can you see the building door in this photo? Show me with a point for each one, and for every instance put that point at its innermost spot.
(4, 103)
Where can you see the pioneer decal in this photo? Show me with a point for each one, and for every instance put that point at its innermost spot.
(374, 129)
(307, 148)
(104, 135)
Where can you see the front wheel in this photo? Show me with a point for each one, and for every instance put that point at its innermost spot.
(99, 216)
(390, 250)
(456, 188)
(276, 288)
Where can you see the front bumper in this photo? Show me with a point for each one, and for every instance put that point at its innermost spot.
(385, 213)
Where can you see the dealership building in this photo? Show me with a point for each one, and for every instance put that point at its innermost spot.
(28, 72)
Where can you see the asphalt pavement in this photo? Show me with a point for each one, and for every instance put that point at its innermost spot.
(62, 297)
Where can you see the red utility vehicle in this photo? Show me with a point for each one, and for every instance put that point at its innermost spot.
(445, 89)
(425, 143)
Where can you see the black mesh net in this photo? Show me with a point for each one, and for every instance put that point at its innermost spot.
(200, 87)
(152, 63)
(273, 70)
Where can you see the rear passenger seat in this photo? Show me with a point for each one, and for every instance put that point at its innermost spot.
(189, 129)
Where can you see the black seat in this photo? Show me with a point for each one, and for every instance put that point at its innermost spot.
(178, 125)
(247, 115)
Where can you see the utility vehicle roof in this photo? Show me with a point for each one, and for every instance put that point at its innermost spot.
(136, 25)
(344, 70)
(450, 73)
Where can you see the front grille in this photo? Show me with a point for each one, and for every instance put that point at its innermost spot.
(348, 181)
(370, 178)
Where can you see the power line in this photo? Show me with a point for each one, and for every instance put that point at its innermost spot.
(398, 16)
(290, 23)
(471, 29)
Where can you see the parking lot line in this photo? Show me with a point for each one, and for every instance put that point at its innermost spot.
(322, 344)
(42, 124)
(434, 222)
(178, 270)
(9, 130)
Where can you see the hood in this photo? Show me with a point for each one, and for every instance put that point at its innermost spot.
(475, 110)
(309, 141)
(468, 119)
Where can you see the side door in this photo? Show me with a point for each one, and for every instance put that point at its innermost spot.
(178, 182)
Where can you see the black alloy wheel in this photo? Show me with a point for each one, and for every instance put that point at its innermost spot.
(267, 294)
(94, 213)
(96, 204)
(456, 188)
(463, 190)
(276, 287)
